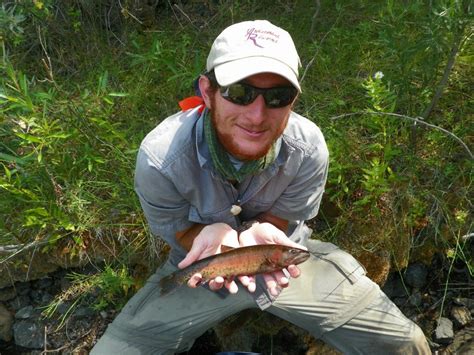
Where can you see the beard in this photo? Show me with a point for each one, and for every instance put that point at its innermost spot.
(231, 143)
(232, 146)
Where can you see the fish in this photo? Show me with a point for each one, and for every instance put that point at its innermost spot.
(250, 260)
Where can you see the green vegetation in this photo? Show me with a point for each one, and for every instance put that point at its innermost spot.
(101, 290)
(81, 83)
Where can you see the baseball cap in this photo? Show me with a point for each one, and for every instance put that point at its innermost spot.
(253, 47)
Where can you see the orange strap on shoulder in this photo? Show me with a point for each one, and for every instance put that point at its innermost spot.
(192, 102)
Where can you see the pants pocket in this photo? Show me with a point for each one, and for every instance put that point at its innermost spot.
(344, 262)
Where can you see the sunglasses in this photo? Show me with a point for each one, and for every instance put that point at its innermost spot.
(244, 94)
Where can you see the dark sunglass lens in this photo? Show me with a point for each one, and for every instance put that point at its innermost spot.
(238, 93)
(244, 94)
(280, 97)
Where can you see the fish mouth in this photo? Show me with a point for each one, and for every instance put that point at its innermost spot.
(299, 256)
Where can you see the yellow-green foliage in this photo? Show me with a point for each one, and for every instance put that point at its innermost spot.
(81, 83)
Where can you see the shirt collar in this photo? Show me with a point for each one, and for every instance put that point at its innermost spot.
(204, 155)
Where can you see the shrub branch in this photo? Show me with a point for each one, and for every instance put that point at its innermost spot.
(447, 71)
(416, 120)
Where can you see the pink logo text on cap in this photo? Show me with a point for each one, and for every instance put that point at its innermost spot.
(262, 35)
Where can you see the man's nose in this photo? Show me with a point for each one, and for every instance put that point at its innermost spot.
(256, 111)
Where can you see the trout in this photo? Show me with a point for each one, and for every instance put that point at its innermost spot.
(251, 260)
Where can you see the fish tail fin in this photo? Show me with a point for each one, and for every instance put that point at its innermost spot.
(169, 283)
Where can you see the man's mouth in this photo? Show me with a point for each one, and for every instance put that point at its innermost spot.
(252, 132)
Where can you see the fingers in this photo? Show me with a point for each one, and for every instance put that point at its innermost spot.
(195, 280)
(294, 271)
(248, 282)
(191, 257)
(272, 285)
(280, 279)
(266, 233)
(215, 284)
(274, 281)
(219, 282)
(231, 286)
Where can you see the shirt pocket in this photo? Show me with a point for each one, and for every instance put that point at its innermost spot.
(209, 217)
(254, 207)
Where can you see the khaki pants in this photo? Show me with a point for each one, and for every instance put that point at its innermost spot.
(332, 299)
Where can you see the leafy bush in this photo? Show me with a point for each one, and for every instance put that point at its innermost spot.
(81, 83)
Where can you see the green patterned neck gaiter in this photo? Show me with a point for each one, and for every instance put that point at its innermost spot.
(221, 160)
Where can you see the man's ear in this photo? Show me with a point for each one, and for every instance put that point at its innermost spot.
(206, 89)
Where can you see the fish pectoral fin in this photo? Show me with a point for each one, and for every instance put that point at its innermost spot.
(226, 248)
(270, 262)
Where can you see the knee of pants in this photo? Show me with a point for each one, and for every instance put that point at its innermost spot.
(416, 341)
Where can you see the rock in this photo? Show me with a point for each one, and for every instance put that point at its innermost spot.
(444, 333)
(463, 343)
(394, 287)
(6, 321)
(7, 293)
(40, 296)
(25, 312)
(461, 316)
(416, 275)
(468, 302)
(43, 283)
(22, 288)
(467, 348)
(26, 267)
(19, 302)
(28, 334)
(82, 312)
(251, 329)
(415, 299)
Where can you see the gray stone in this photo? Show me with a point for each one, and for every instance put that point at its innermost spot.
(29, 334)
(444, 333)
(40, 296)
(22, 288)
(394, 287)
(6, 321)
(19, 302)
(7, 294)
(25, 312)
(43, 283)
(63, 308)
(416, 275)
(415, 299)
(81, 312)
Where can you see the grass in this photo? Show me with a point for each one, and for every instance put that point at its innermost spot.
(78, 92)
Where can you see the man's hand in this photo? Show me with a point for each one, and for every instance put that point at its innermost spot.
(266, 233)
(209, 242)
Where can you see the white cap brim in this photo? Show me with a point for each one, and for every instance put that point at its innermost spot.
(236, 70)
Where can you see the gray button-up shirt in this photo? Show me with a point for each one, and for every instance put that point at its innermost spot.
(178, 186)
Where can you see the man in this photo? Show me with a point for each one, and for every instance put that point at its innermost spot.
(243, 169)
